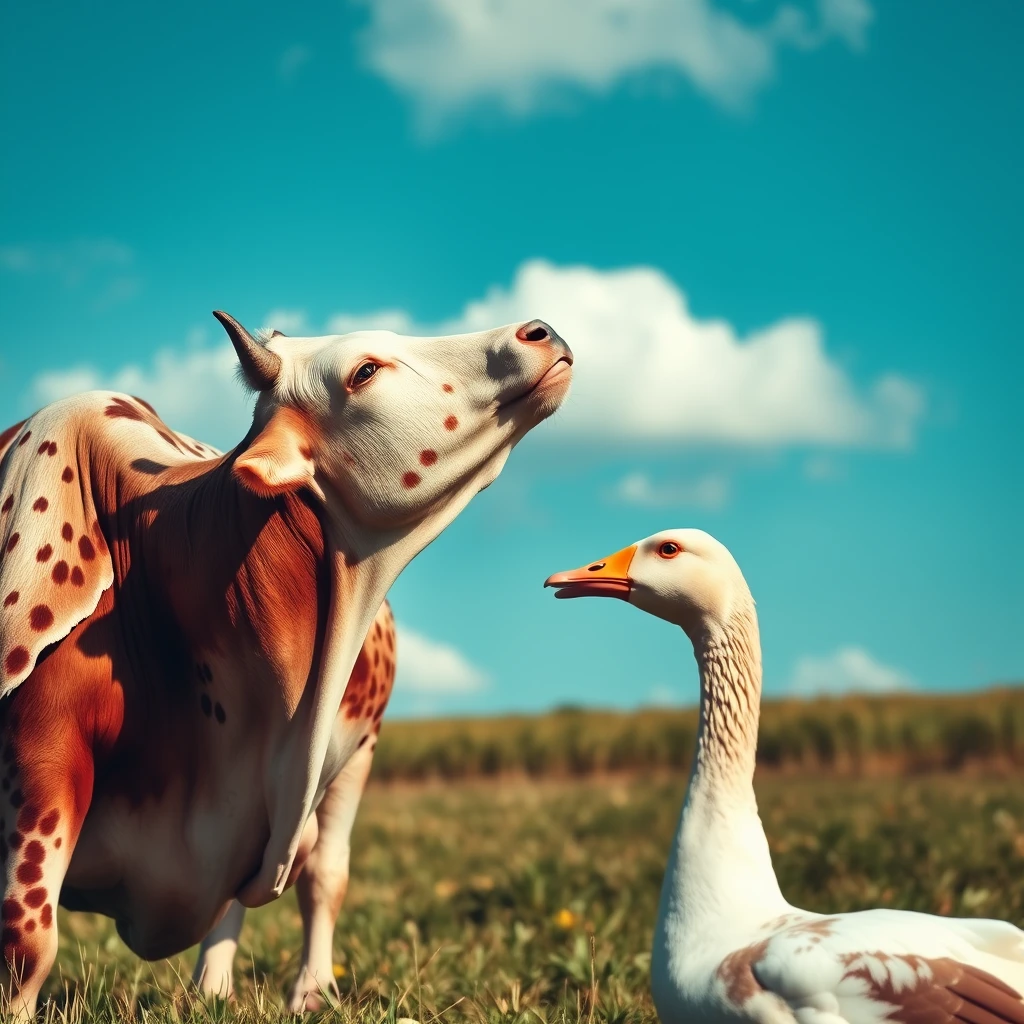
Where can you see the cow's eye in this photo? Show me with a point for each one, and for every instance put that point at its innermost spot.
(669, 549)
(364, 373)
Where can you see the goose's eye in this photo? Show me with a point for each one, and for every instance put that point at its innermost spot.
(364, 373)
(669, 549)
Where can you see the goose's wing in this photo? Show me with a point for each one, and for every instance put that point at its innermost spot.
(885, 965)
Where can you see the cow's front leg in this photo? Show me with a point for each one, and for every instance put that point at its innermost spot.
(323, 883)
(45, 789)
(214, 973)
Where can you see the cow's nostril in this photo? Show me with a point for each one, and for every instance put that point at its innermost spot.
(533, 332)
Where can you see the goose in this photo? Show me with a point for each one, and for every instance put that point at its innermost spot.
(727, 945)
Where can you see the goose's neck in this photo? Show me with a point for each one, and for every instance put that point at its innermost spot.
(720, 873)
(729, 659)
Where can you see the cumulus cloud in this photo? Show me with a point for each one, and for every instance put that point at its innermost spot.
(428, 666)
(287, 321)
(847, 670)
(450, 54)
(193, 389)
(648, 372)
(105, 267)
(708, 492)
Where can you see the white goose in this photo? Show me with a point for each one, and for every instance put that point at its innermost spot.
(727, 945)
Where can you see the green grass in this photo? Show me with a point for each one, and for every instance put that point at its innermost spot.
(479, 901)
(891, 733)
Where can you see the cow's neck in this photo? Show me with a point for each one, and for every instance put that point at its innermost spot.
(303, 591)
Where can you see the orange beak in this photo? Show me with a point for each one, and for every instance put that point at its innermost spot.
(606, 578)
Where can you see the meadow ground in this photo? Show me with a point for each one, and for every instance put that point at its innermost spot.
(509, 900)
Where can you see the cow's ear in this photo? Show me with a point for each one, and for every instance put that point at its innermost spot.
(280, 459)
(55, 560)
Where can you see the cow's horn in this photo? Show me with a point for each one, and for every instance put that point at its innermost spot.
(260, 366)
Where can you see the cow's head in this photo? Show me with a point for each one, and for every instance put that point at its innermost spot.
(394, 433)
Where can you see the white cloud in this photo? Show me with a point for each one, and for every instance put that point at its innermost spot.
(427, 666)
(847, 670)
(450, 54)
(292, 61)
(104, 265)
(70, 260)
(287, 321)
(647, 373)
(648, 370)
(707, 492)
(193, 389)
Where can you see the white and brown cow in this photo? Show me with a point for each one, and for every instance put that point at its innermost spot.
(177, 629)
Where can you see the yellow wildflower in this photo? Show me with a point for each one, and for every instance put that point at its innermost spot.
(339, 971)
(565, 919)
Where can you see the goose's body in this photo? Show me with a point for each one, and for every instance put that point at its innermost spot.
(727, 945)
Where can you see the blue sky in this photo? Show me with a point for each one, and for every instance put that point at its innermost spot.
(781, 239)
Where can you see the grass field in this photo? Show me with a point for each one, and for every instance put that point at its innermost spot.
(907, 733)
(535, 900)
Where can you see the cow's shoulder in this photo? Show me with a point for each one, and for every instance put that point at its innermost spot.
(64, 474)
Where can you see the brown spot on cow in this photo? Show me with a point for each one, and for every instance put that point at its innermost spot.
(29, 874)
(77, 577)
(25, 437)
(57, 842)
(46, 916)
(86, 549)
(30, 925)
(40, 618)
(48, 448)
(451, 423)
(8, 503)
(43, 554)
(11, 599)
(121, 409)
(447, 388)
(410, 479)
(35, 898)
(68, 475)
(428, 457)
(12, 910)
(8, 434)
(60, 573)
(48, 822)
(13, 542)
(16, 660)
(101, 541)
(67, 531)
(40, 504)
(145, 405)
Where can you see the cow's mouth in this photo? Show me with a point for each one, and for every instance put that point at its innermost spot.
(560, 369)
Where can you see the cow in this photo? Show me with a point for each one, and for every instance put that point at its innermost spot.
(177, 629)
(323, 881)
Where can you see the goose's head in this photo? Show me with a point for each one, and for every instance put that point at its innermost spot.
(683, 576)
